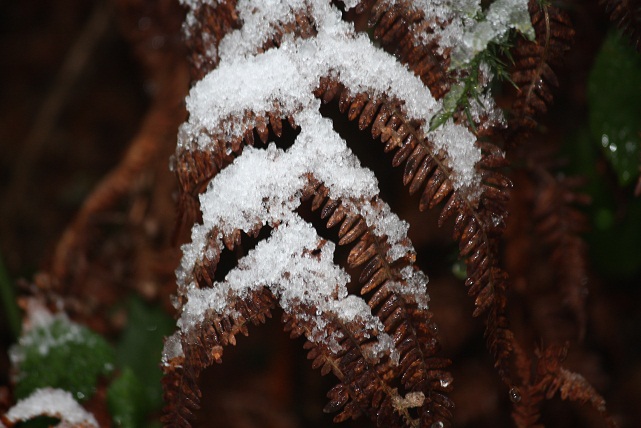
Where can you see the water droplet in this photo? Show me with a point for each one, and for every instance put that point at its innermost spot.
(515, 395)
(80, 395)
(605, 140)
(437, 424)
(434, 328)
(445, 383)
(174, 301)
(459, 269)
(630, 146)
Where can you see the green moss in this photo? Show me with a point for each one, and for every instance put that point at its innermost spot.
(61, 355)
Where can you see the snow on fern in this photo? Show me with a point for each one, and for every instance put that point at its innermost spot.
(264, 187)
(282, 263)
(51, 402)
(286, 76)
(286, 263)
(463, 27)
(248, 84)
(501, 16)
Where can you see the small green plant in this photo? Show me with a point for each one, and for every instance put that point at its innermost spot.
(57, 353)
(61, 354)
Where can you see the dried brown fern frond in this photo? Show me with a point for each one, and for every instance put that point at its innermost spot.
(533, 66)
(428, 164)
(398, 386)
(183, 364)
(552, 280)
(478, 219)
(205, 26)
(546, 252)
(479, 211)
(560, 223)
(627, 16)
(357, 350)
(280, 64)
(405, 31)
(549, 378)
(410, 325)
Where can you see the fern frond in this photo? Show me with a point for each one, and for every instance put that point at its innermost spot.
(188, 353)
(400, 27)
(560, 223)
(385, 353)
(204, 28)
(478, 218)
(412, 329)
(533, 62)
(627, 16)
(553, 378)
(386, 363)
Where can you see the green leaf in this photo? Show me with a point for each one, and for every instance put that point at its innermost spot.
(614, 96)
(126, 400)
(451, 102)
(61, 354)
(140, 348)
(615, 249)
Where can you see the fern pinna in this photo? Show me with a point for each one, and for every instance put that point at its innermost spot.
(266, 66)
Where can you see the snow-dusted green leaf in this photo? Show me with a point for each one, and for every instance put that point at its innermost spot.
(61, 354)
(501, 16)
